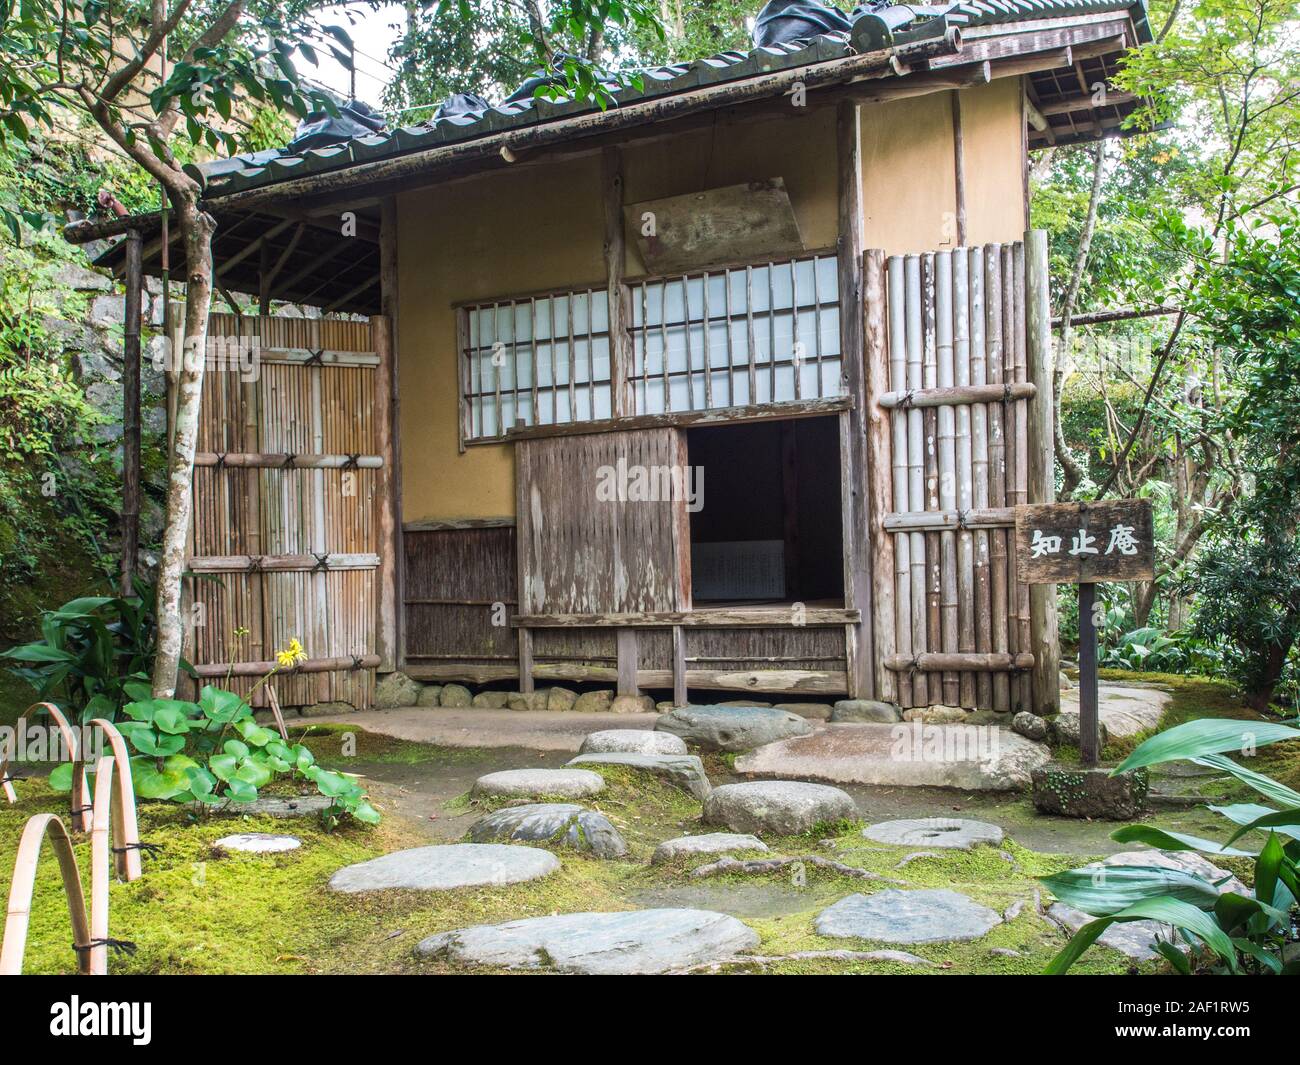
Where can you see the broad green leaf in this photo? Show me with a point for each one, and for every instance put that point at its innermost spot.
(1196, 739)
(61, 777)
(240, 790)
(38, 652)
(152, 784)
(171, 719)
(1166, 910)
(239, 750)
(1243, 813)
(223, 766)
(220, 705)
(1281, 818)
(252, 773)
(253, 733)
(363, 811)
(1174, 957)
(1173, 841)
(1104, 890)
(1265, 785)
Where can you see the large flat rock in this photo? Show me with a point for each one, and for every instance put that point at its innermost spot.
(455, 865)
(970, 757)
(561, 823)
(598, 944)
(725, 727)
(705, 844)
(1125, 711)
(954, 833)
(894, 916)
(632, 741)
(685, 771)
(539, 784)
(778, 807)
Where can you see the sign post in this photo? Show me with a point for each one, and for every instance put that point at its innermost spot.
(1086, 544)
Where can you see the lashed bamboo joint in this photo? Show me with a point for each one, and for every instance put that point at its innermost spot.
(308, 563)
(936, 661)
(957, 395)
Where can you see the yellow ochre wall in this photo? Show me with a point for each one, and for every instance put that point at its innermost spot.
(541, 227)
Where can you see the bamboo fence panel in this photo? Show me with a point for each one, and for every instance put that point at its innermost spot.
(295, 414)
(959, 464)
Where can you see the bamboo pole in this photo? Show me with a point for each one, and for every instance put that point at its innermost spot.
(965, 569)
(980, 475)
(997, 468)
(958, 395)
(947, 465)
(311, 665)
(935, 520)
(1022, 453)
(933, 543)
(916, 278)
(99, 866)
(1044, 641)
(898, 349)
(127, 853)
(958, 661)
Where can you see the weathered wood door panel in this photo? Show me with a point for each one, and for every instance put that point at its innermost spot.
(957, 416)
(601, 527)
(289, 485)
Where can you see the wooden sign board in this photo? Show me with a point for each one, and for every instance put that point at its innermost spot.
(1085, 543)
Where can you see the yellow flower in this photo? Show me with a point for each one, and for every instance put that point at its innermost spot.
(291, 655)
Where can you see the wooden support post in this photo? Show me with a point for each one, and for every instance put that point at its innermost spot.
(1089, 732)
(626, 643)
(389, 602)
(679, 666)
(1044, 639)
(959, 168)
(392, 506)
(131, 415)
(525, 638)
(879, 455)
(853, 462)
(616, 290)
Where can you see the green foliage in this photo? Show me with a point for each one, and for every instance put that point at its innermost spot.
(1247, 586)
(1226, 931)
(214, 753)
(94, 654)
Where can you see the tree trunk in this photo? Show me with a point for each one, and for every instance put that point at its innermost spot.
(1261, 694)
(196, 228)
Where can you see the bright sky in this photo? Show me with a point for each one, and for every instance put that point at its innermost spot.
(372, 32)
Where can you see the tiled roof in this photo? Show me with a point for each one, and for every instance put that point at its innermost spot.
(887, 27)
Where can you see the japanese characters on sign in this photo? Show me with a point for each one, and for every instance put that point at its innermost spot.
(1085, 543)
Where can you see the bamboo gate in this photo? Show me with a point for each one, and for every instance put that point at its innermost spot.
(292, 529)
(957, 443)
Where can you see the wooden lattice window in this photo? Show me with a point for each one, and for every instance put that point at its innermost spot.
(735, 337)
(542, 360)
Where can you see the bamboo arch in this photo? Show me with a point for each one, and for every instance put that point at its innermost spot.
(114, 801)
(19, 910)
(80, 799)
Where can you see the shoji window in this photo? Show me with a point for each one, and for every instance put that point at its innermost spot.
(754, 334)
(538, 361)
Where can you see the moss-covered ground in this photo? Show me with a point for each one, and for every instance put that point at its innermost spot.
(197, 912)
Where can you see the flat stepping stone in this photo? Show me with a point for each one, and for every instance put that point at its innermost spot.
(257, 843)
(685, 771)
(455, 865)
(726, 727)
(561, 823)
(778, 807)
(894, 916)
(540, 783)
(967, 757)
(598, 944)
(708, 843)
(952, 832)
(632, 741)
(298, 806)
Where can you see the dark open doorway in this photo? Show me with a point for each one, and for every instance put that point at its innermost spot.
(769, 529)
